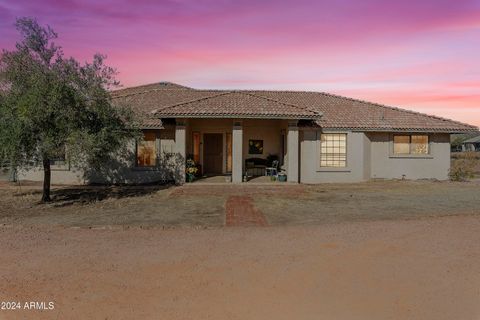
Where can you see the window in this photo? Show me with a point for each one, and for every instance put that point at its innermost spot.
(333, 150)
(410, 144)
(196, 147)
(167, 142)
(146, 150)
(229, 151)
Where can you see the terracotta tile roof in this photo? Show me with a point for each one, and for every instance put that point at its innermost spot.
(144, 99)
(346, 113)
(237, 104)
(151, 123)
(167, 100)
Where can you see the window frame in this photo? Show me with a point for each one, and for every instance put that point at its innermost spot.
(320, 155)
(164, 135)
(156, 143)
(228, 152)
(196, 157)
(410, 154)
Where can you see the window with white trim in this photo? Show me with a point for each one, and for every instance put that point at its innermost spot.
(333, 150)
(416, 144)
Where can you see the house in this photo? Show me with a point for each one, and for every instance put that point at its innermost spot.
(472, 144)
(316, 137)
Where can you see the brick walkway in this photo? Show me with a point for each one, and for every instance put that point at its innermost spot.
(240, 211)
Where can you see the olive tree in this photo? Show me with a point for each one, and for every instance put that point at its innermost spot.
(50, 104)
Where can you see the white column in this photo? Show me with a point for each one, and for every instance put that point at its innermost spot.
(180, 150)
(237, 152)
(292, 152)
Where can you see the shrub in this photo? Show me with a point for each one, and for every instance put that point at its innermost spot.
(463, 167)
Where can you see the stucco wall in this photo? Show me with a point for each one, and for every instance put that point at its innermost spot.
(357, 169)
(385, 165)
(370, 155)
(5, 174)
(59, 176)
(270, 131)
(122, 170)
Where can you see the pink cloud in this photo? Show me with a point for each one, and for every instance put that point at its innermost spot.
(419, 54)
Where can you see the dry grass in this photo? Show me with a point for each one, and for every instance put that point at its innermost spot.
(204, 206)
(381, 200)
(465, 166)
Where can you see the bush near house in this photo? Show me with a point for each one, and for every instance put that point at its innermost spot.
(465, 166)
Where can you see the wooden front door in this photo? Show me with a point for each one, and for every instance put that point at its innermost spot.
(212, 152)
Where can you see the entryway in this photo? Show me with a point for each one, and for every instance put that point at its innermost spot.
(212, 153)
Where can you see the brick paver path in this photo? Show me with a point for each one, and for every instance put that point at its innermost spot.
(240, 211)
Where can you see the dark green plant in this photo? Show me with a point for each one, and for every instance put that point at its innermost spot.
(50, 103)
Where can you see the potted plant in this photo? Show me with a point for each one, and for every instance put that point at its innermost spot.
(190, 170)
(282, 177)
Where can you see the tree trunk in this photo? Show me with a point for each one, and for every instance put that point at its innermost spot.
(46, 180)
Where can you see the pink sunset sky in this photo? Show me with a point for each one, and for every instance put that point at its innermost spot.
(421, 55)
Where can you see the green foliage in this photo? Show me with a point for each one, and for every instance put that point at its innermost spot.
(49, 102)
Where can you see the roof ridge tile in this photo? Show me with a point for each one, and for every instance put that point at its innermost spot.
(153, 112)
(281, 102)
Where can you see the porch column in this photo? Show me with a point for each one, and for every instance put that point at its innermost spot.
(237, 152)
(180, 150)
(292, 151)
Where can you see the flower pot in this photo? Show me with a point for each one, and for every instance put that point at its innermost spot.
(190, 177)
(282, 177)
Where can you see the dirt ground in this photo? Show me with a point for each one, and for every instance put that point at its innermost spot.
(416, 269)
(376, 250)
(205, 205)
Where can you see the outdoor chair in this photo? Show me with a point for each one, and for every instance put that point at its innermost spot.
(273, 170)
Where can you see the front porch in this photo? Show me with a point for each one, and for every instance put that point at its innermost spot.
(219, 179)
(227, 150)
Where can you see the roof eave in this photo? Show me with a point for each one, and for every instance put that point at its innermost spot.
(423, 130)
(262, 117)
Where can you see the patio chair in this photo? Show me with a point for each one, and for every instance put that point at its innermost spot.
(273, 170)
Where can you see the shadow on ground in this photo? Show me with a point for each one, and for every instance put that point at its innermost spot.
(88, 194)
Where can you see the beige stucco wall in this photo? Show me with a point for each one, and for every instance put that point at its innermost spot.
(122, 170)
(385, 165)
(270, 131)
(370, 156)
(358, 146)
(59, 176)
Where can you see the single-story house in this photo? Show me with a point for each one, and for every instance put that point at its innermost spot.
(316, 137)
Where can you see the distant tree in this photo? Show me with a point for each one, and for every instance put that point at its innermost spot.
(50, 104)
(457, 140)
